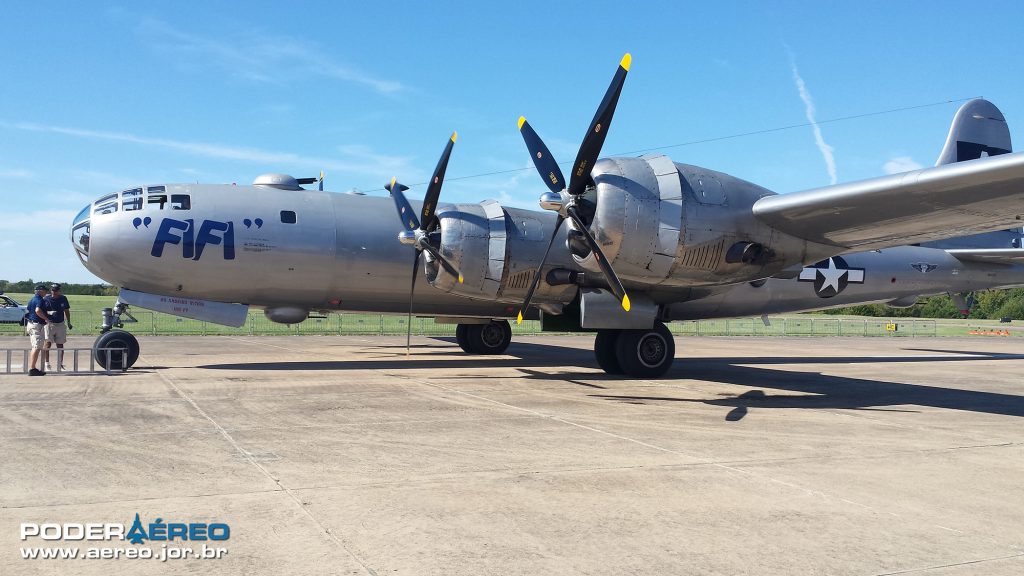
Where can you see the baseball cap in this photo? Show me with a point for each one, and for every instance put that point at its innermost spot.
(40, 287)
(55, 286)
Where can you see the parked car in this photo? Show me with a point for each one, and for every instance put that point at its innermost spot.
(1006, 319)
(10, 311)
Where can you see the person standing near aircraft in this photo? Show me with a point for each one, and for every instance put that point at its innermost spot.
(58, 310)
(36, 328)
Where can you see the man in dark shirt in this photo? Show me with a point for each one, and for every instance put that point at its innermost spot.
(57, 309)
(36, 328)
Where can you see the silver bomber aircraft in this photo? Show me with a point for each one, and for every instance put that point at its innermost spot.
(640, 242)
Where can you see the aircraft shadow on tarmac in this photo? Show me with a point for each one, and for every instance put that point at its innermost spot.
(814, 389)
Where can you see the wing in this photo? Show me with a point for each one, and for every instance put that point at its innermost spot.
(990, 255)
(929, 204)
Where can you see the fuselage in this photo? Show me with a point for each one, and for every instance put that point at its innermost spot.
(324, 251)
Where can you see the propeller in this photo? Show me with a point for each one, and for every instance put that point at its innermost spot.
(416, 231)
(562, 198)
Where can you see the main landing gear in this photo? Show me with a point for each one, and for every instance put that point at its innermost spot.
(117, 347)
(636, 353)
(491, 338)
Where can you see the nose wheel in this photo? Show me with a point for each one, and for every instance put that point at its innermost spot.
(116, 349)
(636, 353)
(491, 338)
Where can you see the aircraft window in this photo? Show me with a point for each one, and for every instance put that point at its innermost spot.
(107, 204)
(288, 217)
(82, 216)
(80, 237)
(181, 202)
(131, 200)
(158, 199)
(155, 189)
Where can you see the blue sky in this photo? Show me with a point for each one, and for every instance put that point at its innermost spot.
(95, 99)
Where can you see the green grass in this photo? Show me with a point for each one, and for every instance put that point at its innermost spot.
(86, 317)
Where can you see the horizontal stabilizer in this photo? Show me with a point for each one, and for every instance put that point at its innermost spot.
(223, 313)
(990, 255)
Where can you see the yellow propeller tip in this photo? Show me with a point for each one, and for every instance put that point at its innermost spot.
(626, 61)
(461, 279)
(625, 302)
(522, 120)
(519, 319)
(455, 136)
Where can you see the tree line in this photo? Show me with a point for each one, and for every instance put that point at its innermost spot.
(991, 304)
(67, 288)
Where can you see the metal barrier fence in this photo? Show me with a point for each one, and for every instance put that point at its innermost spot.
(157, 324)
(60, 358)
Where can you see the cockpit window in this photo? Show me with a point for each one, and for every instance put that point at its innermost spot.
(131, 199)
(181, 202)
(82, 216)
(106, 205)
(157, 199)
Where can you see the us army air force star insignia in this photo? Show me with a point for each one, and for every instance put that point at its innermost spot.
(831, 276)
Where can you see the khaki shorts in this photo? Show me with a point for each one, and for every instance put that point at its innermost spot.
(36, 335)
(57, 332)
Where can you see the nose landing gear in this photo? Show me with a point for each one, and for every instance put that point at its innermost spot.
(118, 348)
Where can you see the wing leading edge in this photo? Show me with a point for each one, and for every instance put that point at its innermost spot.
(929, 204)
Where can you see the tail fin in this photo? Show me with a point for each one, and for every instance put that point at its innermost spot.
(979, 129)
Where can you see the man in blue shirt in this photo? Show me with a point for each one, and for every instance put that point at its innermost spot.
(57, 309)
(36, 327)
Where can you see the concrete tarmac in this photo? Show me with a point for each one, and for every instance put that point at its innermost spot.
(340, 455)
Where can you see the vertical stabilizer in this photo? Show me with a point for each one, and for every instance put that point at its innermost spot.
(979, 129)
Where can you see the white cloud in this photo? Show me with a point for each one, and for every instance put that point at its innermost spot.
(258, 57)
(16, 173)
(900, 164)
(356, 159)
(819, 140)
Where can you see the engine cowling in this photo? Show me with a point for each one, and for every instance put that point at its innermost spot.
(497, 250)
(665, 223)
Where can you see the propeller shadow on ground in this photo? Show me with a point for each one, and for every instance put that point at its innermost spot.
(813, 390)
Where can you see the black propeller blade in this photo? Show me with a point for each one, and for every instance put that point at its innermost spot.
(598, 131)
(606, 268)
(429, 218)
(542, 158)
(536, 277)
(405, 212)
(412, 290)
(587, 156)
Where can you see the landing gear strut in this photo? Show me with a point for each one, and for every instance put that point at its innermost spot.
(120, 347)
(636, 353)
(491, 338)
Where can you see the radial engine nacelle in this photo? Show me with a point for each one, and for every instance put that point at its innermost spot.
(496, 249)
(675, 224)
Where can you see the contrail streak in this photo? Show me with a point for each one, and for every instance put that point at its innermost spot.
(826, 150)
